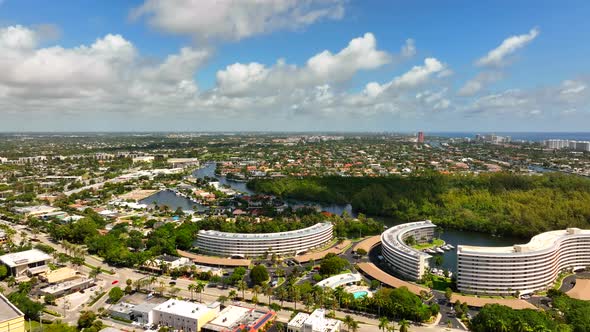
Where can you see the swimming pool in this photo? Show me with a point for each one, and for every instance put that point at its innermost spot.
(360, 294)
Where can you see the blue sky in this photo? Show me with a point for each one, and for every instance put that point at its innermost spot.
(163, 65)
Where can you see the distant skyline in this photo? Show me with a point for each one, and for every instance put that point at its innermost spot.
(294, 65)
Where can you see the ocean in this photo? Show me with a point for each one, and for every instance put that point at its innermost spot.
(519, 136)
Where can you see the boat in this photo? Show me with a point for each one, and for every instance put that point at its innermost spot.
(445, 247)
(430, 251)
(451, 246)
(439, 250)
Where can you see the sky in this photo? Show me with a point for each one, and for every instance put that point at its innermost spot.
(294, 65)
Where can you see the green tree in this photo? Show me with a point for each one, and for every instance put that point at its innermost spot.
(259, 274)
(86, 319)
(115, 294)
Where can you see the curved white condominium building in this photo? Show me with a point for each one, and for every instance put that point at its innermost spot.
(254, 245)
(523, 267)
(408, 262)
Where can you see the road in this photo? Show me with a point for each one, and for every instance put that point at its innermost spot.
(210, 294)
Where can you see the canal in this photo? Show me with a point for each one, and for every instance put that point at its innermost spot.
(450, 236)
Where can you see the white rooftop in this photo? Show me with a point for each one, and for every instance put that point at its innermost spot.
(24, 257)
(540, 242)
(229, 316)
(183, 308)
(317, 320)
(263, 236)
(339, 280)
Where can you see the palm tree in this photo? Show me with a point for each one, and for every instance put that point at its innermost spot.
(242, 286)
(267, 290)
(354, 326)
(222, 299)
(256, 290)
(348, 321)
(383, 321)
(200, 287)
(191, 288)
(390, 327)
(295, 296)
(232, 294)
(282, 294)
(404, 325)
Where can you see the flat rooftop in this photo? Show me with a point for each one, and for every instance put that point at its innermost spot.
(7, 310)
(24, 257)
(230, 316)
(538, 243)
(185, 308)
(269, 236)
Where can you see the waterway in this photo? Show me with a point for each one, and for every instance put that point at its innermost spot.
(450, 236)
(173, 201)
(457, 237)
(209, 171)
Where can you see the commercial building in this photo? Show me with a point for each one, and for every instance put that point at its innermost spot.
(24, 264)
(314, 322)
(522, 268)
(67, 287)
(420, 137)
(35, 211)
(183, 315)
(238, 319)
(407, 261)
(11, 319)
(183, 162)
(254, 245)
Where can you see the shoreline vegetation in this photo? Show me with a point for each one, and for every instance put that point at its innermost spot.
(493, 203)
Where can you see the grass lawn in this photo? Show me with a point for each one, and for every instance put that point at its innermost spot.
(559, 280)
(441, 283)
(434, 243)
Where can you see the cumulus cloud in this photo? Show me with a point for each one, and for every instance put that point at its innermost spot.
(478, 83)
(109, 78)
(109, 74)
(326, 67)
(233, 20)
(497, 56)
(551, 100)
(416, 76)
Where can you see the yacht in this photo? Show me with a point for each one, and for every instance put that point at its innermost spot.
(439, 250)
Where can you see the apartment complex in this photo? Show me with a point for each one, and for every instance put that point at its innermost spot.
(407, 261)
(567, 144)
(314, 322)
(254, 245)
(11, 319)
(184, 315)
(522, 268)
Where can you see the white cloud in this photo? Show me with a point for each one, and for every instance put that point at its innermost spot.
(416, 76)
(497, 56)
(360, 54)
(409, 49)
(233, 20)
(570, 87)
(419, 74)
(17, 38)
(477, 84)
